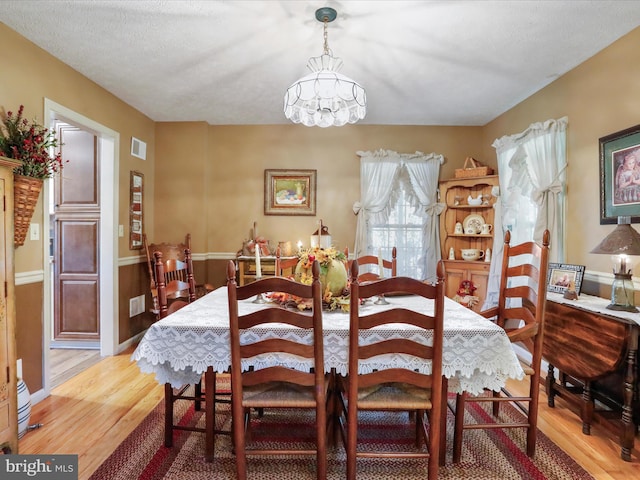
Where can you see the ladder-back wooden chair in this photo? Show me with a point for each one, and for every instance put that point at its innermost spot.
(520, 311)
(166, 290)
(285, 267)
(277, 387)
(174, 270)
(394, 389)
(389, 266)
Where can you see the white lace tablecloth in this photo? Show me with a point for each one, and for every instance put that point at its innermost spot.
(179, 348)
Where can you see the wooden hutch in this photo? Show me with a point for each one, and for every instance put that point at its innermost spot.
(455, 195)
(8, 375)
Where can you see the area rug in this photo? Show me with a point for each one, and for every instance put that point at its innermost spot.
(487, 454)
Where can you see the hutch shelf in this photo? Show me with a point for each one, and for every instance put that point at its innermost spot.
(457, 194)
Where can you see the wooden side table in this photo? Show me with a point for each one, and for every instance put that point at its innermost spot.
(595, 351)
(247, 267)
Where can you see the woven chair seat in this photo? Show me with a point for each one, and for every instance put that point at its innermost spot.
(281, 395)
(394, 395)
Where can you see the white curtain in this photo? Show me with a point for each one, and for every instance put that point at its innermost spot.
(379, 178)
(531, 168)
(423, 173)
(378, 173)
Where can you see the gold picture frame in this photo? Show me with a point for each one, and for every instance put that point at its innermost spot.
(136, 215)
(290, 192)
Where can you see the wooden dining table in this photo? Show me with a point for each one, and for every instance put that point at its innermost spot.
(195, 339)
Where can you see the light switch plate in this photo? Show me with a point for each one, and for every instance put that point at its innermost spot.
(34, 231)
(121, 230)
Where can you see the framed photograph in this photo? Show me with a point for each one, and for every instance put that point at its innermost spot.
(289, 192)
(563, 276)
(620, 176)
(136, 189)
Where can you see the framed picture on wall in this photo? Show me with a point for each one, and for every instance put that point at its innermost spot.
(620, 175)
(136, 189)
(289, 192)
(563, 276)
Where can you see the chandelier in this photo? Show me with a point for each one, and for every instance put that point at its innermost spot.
(325, 97)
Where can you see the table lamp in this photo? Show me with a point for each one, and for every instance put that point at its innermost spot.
(621, 243)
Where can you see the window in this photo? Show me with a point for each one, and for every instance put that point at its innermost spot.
(403, 230)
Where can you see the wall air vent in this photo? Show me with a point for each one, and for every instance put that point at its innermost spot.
(138, 148)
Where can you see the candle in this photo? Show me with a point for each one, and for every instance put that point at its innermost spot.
(380, 267)
(258, 267)
(623, 264)
(299, 245)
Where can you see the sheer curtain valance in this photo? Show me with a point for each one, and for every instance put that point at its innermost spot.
(381, 174)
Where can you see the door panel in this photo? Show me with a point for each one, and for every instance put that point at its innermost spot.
(79, 316)
(77, 273)
(77, 186)
(76, 225)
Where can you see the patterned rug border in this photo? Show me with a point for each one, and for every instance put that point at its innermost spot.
(143, 456)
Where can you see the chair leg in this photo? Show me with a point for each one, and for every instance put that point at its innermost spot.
(238, 424)
(352, 439)
(210, 413)
(459, 426)
(419, 425)
(321, 441)
(532, 417)
(496, 405)
(168, 415)
(198, 394)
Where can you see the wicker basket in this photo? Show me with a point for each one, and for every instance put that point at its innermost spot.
(26, 191)
(473, 168)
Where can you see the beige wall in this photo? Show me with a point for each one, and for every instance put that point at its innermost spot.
(215, 190)
(600, 96)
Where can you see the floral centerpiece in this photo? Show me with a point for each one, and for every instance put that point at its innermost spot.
(333, 277)
(30, 143)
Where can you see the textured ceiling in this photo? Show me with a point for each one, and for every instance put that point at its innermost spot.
(230, 62)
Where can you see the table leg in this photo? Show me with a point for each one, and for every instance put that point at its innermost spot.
(550, 384)
(210, 413)
(628, 427)
(587, 408)
(443, 422)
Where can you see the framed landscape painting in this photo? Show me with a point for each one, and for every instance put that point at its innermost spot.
(620, 176)
(289, 192)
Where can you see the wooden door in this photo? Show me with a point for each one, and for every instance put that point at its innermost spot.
(76, 226)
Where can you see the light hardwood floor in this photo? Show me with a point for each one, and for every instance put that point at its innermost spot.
(68, 362)
(93, 412)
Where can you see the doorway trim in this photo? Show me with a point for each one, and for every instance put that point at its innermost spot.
(109, 148)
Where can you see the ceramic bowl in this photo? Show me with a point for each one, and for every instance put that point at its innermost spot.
(471, 254)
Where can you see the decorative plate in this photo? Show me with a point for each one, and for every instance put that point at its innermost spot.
(474, 220)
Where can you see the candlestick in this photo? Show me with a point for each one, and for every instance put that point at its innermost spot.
(380, 266)
(258, 266)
